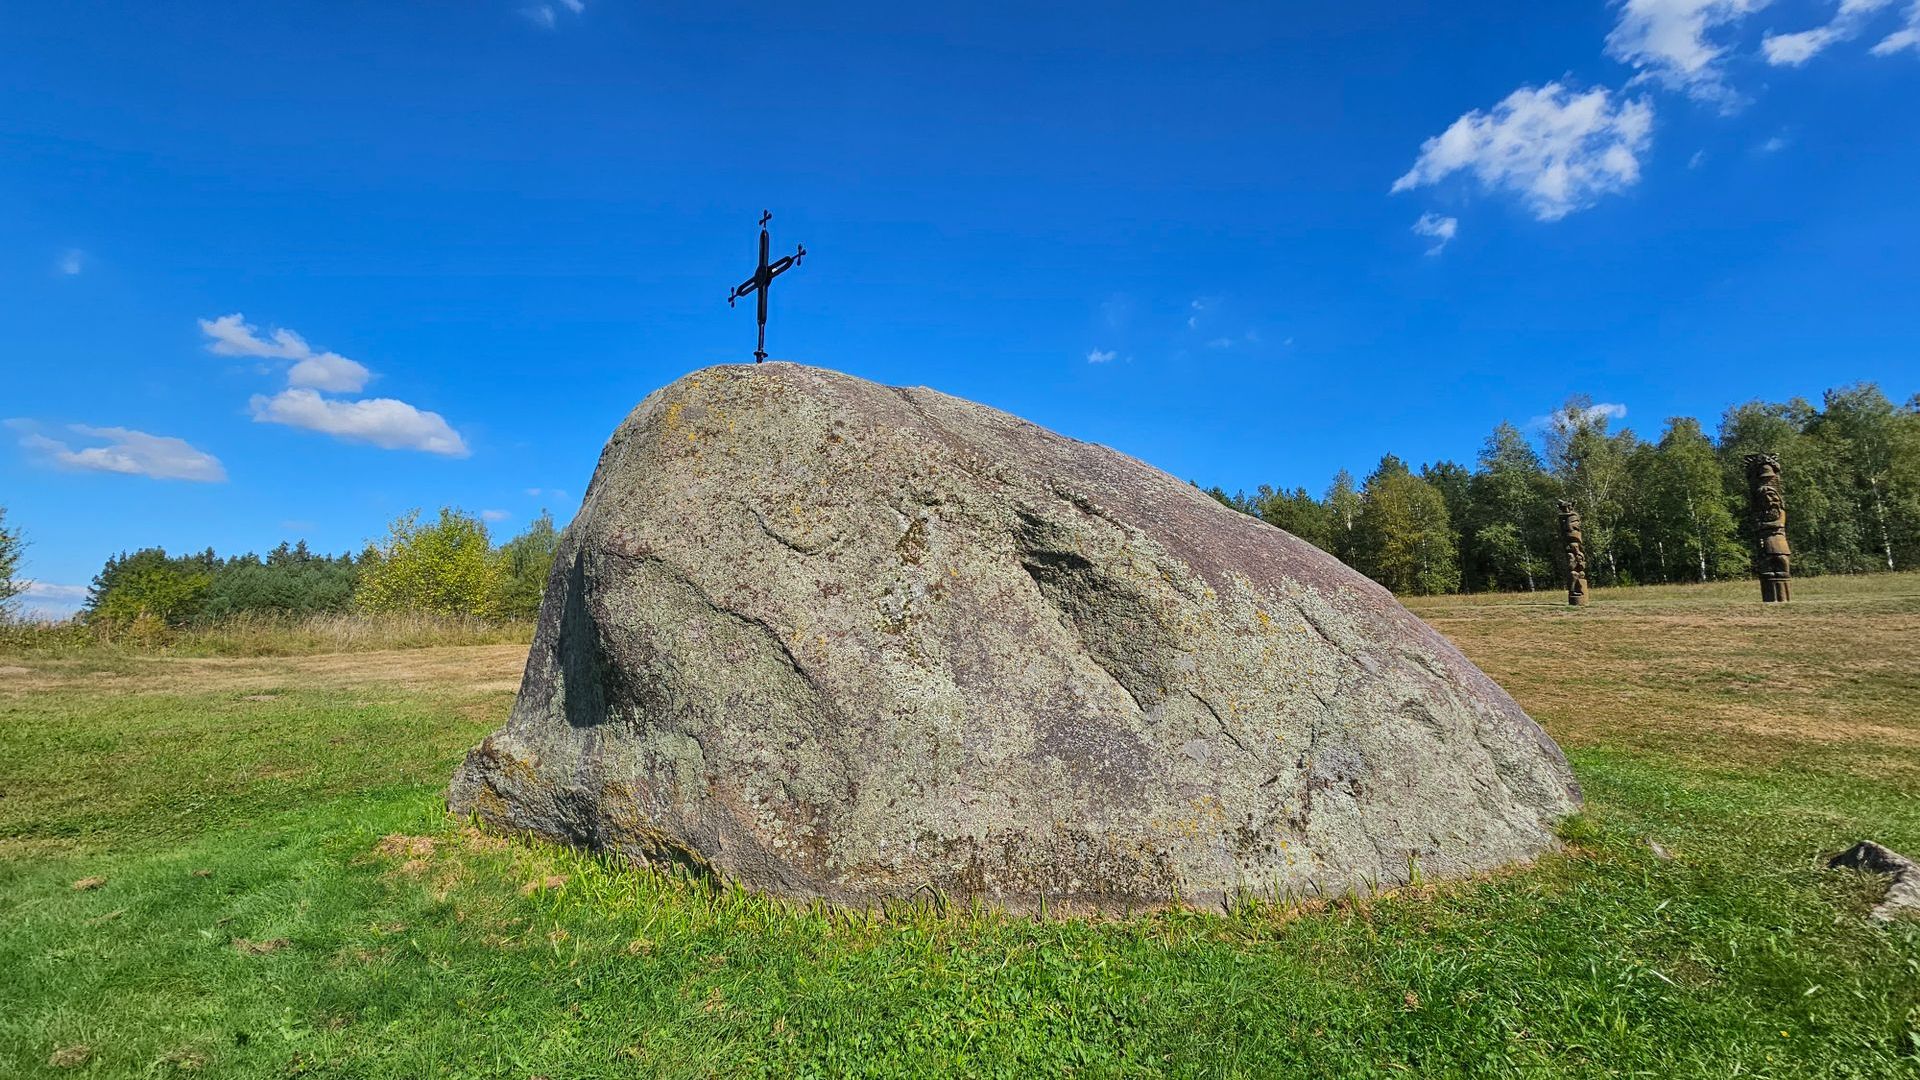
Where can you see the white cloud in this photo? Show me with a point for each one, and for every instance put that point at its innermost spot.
(1101, 356)
(233, 336)
(1849, 20)
(1674, 42)
(1773, 145)
(1908, 37)
(72, 262)
(128, 452)
(1220, 343)
(575, 6)
(383, 422)
(495, 515)
(45, 600)
(1599, 410)
(1441, 230)
(1558, 150)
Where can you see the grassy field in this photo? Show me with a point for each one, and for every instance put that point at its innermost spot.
(240, 866)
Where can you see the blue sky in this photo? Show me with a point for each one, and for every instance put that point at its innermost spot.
(282, 271)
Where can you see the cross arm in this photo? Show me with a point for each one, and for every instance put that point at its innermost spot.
(786, 264)
(745, 288)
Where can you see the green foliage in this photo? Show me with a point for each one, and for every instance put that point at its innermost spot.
(525, 561)
(444, 568)
(1510, 515)
(1671, 511)
(1404, 537)
(1590, 464)
(1298, 513)
(1343, 515)
(176, 590)
(11, 548)
(1688, 513)
(150, 586)
(289, 581)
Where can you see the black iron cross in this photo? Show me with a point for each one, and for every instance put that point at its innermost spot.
(762, 280)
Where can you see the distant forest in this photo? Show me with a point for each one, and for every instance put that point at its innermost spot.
(1672, 510)
(444, 566)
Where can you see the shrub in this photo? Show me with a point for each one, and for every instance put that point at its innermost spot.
(445, 568)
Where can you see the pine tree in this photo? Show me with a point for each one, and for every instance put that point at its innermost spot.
(1298, 513)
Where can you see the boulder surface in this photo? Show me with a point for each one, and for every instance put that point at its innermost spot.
(835, 639)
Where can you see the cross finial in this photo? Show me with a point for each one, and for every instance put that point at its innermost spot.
(762, 281)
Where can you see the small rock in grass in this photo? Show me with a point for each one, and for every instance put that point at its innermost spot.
(71, 1057)
(1903, 892)
(86, 883)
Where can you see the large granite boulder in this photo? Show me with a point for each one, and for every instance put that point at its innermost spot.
(835, 639)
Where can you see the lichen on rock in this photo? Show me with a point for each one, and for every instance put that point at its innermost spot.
(834, 639)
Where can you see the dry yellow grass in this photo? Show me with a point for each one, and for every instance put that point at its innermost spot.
(1707, 672)
(455, 667)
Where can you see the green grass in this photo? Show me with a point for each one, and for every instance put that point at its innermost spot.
(284, 895)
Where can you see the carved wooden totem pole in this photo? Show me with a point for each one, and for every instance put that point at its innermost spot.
(1576, 554)
(1769, 526)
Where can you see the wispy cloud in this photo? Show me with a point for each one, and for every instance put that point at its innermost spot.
(384, 422)
(1774, 145)
(1560, 151)
(124, 451)
(71, 262)
(547, 16)
(1441, 230)
(1849, 21)
(1598, 411)
(1677, 43)
(495, 515)
(49, 600)
(1907, 37)
(1102, 356)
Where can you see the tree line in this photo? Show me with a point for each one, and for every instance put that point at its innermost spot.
(446, 566)
(1664, 511)
(1671, 510)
